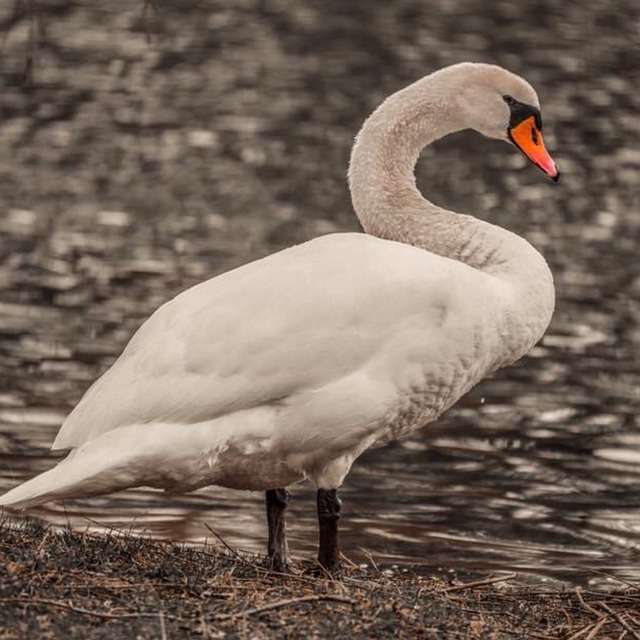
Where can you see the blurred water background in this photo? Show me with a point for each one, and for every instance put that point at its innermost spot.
(148, 154)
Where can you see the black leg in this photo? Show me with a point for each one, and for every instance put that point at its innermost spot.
(277, 500)
(328, 515)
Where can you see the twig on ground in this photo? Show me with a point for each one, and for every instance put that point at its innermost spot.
(234, 552)
(367, 553)
(588, 629)
(481, 583)
(228, 547)
(348, 561)
(327, 575)
(588, 607)
(368, 585)
(284, 603)
(86, 612)
(619, 619)
(594, 632)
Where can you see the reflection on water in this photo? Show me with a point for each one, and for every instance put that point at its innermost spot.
(130, 171)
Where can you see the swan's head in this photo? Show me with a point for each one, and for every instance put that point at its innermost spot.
(501, 105)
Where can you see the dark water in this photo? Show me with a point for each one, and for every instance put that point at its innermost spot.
(130, 170)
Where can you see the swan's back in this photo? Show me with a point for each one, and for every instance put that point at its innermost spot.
(294, 321)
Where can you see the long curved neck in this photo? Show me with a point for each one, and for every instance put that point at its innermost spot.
(384, 192)
(389, 205)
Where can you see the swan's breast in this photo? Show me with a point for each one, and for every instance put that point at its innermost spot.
(253, 468)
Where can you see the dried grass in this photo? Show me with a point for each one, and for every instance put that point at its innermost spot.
(61, 583)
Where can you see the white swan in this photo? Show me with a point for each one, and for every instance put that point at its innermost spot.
(289, 367)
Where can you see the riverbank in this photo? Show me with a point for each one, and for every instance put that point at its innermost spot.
(64, 584)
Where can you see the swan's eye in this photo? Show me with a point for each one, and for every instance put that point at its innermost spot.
(509, 100)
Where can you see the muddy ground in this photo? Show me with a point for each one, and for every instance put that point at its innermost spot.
(64, 584)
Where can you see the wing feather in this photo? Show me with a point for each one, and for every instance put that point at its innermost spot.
(291, 322)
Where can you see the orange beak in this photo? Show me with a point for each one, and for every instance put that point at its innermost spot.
(528, 138)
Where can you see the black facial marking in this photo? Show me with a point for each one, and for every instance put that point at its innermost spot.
(521, 111)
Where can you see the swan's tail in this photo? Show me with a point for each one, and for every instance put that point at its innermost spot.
(174, 457)
(83, 473)
(38, 490)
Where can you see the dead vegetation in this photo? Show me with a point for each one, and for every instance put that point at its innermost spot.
(61, 583)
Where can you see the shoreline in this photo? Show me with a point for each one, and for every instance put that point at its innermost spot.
(61, 583)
